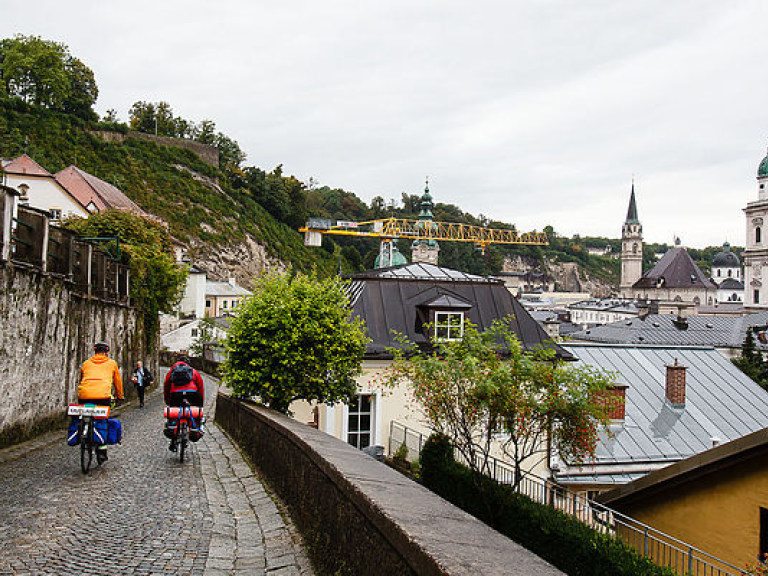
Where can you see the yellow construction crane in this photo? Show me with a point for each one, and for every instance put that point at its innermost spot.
(422, 230)
(390, 229)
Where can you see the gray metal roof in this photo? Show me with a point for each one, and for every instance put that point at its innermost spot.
(665, 329)
(423, 271)
(721, 402)
(224, 289)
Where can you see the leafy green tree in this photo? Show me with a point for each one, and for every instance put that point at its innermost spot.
(44, 73)
(484, 389)
(294, 339)
(157, 282)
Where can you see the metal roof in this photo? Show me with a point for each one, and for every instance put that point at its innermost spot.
(423, 271)
(721, 402)
(213, 288)
(394, 300)
(667, 329)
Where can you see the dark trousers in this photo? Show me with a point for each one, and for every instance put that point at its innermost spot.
(140, 392)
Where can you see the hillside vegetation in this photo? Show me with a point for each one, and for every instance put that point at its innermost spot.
(173, 183)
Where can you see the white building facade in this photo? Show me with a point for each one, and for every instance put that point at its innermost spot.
(756, 253)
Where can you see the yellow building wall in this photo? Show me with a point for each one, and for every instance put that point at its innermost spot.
(718, 513)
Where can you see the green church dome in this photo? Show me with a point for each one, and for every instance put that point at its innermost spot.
(762, 170)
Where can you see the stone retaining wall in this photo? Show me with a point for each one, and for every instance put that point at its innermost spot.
(47, 329)
(208, 154)
(358, 516)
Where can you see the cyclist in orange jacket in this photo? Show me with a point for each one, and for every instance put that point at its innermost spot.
(98, 375)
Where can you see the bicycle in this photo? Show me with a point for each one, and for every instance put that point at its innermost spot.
(86, 433)
(185, 425)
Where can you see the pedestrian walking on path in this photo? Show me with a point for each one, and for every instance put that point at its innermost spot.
(142, 378)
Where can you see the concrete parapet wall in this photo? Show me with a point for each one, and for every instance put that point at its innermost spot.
(360, 517)
(47, 329)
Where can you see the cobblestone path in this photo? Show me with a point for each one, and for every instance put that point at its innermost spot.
(142, 512)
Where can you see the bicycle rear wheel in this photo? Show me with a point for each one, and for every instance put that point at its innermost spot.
(183, 438)
(86, 447)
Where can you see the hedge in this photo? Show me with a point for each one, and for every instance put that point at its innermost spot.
(560, 539)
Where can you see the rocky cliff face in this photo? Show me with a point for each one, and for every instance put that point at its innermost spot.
(243, 262)
(568, 276)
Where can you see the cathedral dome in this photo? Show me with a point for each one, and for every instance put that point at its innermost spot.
(726, 258)
(762, 170)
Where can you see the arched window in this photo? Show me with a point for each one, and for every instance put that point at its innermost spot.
(634, 248)
(697, 300)
(718, 272)
(729, 273)
(758, 235)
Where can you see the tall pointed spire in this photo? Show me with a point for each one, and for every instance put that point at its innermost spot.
(632, 210)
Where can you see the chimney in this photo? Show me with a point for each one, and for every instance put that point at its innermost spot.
(675, 388)
(232, 282)
(616, 395)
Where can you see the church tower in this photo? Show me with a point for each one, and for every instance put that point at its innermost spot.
(756, 252)
(425, 249)
(631, 249)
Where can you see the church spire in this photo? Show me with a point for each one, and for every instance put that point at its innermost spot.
(632, 210)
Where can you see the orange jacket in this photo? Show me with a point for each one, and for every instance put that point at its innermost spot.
(97, 375)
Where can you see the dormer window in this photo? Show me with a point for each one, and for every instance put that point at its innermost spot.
(449, 325)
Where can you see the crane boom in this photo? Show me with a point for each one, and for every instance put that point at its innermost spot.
(394, 228)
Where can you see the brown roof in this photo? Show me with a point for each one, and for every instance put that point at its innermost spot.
(24, 165)
(87, 188)
(676, 269)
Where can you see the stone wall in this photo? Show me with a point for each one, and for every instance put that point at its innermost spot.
(48, 330)
(208, 154)
(360, 517)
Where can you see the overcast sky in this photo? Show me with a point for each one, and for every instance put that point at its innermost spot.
(533, 113)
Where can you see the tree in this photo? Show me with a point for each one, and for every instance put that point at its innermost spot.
(157, 282)
(205, 336)
(44, 73)
(751, 361)
(294, 339)
(484, 389)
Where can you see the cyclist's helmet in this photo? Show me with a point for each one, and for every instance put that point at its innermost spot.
(101, 347)
(184, 359)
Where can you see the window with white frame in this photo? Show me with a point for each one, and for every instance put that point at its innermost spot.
(359, 421)
(55, 213)
(449, 325)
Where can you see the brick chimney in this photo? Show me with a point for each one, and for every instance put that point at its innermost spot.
(675, 388)
(616, 395)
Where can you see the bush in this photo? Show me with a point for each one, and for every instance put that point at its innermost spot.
(556, 537)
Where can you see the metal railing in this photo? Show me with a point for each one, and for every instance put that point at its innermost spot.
(662, 549)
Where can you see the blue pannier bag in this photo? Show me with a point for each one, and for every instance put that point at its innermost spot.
(73, 431)
(100, 430)
(114, 431)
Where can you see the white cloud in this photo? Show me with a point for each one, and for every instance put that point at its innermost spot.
(534, 113)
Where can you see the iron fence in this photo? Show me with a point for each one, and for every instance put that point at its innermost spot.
(660, 548)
